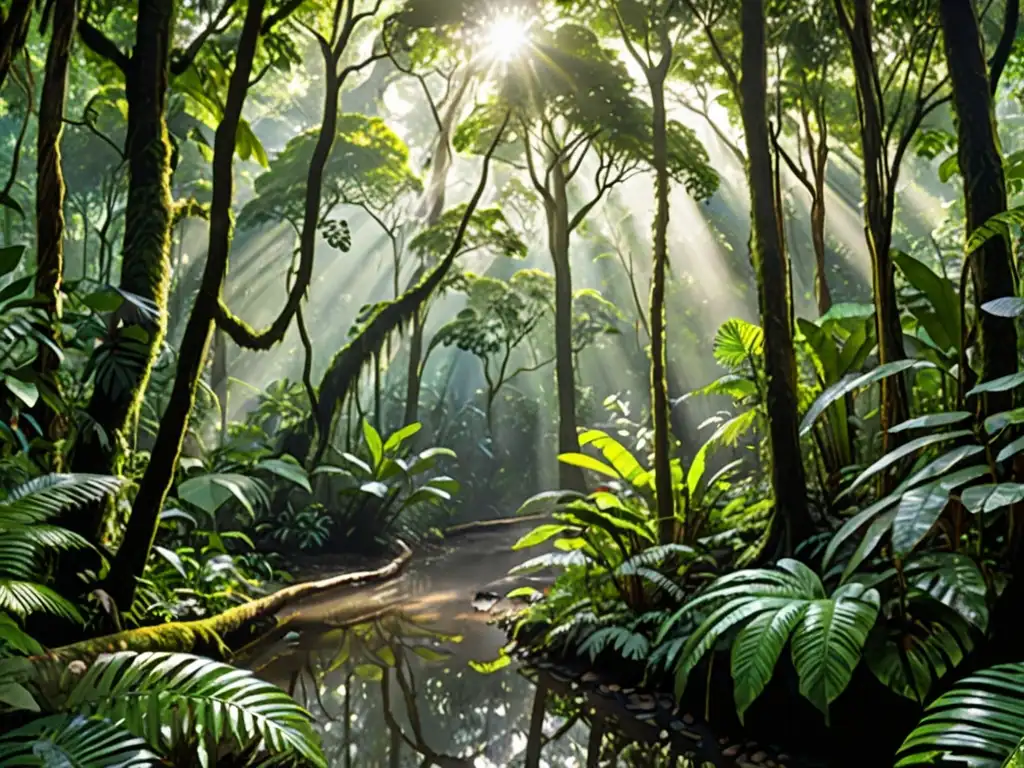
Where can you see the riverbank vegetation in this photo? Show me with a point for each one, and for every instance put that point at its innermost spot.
(726, 289)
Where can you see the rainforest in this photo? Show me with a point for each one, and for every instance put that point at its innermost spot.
(486, 383)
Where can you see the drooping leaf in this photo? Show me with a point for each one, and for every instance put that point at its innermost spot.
(992, 497)
(921, 507)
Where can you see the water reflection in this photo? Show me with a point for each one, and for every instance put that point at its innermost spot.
(397, 691)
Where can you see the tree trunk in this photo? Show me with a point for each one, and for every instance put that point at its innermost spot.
(878, 211)
(414, 381)
(822, 293)
(130, 561)
(14, 28)
(659, 381)
(570, 477)
(770, 263)
(145, 261)
(219, 379)
(50, 192)
(981, 164)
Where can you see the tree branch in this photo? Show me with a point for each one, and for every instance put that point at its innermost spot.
(1001, 56)
(102, 45)
(182, 60)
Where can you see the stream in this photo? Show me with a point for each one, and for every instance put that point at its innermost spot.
(386, 672)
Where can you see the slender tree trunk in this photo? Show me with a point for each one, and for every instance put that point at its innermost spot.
(659, 381)
(14, 26)
(145, 261)
(50, 194)
(822, 293)
(219, 376)
(570, 476)
(433, 207)
(130, 561)
(535, 739)
(981, 164)
(878, 210)
(788, 480)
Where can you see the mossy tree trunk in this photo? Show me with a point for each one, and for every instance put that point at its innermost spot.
(50, 193)
(145, 261)
(981, 165)
(130, 560)
(788, 481)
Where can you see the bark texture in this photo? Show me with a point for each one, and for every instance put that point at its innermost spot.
(981, 165)
(14, 25)
(145, 263)
(788, 481)
(50, 194)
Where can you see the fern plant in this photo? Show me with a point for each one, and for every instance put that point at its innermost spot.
(27, 539)
(770, 608)
(977, 723)
(128, 707)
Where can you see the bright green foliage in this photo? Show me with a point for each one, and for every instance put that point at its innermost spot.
(488, 229)
(368, 166)
(977, 723)
(826, 632)
(175, 704)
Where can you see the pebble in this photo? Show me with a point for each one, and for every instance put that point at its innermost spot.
(688, 719)
(731, 751)
(640, 701)
(589, 677)
(759, 757)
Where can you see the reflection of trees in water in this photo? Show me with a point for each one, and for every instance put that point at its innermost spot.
(393, 693)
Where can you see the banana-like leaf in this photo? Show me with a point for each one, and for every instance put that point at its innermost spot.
(921, 507)
(905, 450)
(756, 651)
(992, 497)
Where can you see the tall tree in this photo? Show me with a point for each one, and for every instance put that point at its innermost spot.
(772, 269)
(136, 336)
(14, 26)
(62, 15)
(981, 165)
(892, 103)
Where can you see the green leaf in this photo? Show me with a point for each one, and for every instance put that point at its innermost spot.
(74, 740)
(904, 451)
(992, 497)
(588, 462)
(852, 382)
(104, 300)
(931, 420)
(997, 226)
(827, 644)
(373, 443)
(1002, 384)
(370, 672)
(941, 294)
(10, 257)
(539, 535)
(614, 453)
(26, 391)
(954, 580)
(286, 467)
(756, 651)
(999, 421)
(16, 696)
(546, 501)
(488, 667)
(396, 438)
(1008, 306)
(1011, 450)
(921, 507)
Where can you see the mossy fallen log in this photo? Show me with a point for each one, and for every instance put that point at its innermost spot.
(219, 635)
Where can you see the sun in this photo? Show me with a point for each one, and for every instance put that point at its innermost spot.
(505, 37)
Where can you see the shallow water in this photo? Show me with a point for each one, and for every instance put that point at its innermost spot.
(396, 687)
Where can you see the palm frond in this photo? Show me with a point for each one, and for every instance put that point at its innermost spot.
(47, 496)
(24, 597)
(74, 740)
(978, 723)
(158, 694)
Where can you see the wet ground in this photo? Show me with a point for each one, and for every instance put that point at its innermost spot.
(401, 674)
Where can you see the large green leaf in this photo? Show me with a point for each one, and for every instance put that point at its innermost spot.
(943, 324)
(853, 382)
(921, 507)
(287, 468)
(617, 455)
(374, 444)
(954, 580)
(904, 451)
(584, 461)
(828, 642)
(992, 497)
(1002, 384)
(756, 651)
(399, 436)
(156, 694)
(69, 740)
(941, 419)
(539, 535)
(977, 723)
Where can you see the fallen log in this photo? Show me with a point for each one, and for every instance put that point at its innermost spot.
(217, 636)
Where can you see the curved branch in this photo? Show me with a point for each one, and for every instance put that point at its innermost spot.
(182, 60)
(102, 45)
(235, 327)
(1001, 55)
(13, 33)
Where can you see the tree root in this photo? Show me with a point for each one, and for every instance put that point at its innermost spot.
(218, 635)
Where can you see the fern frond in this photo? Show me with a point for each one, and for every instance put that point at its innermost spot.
(47, 496)
(74, 740)
(157, 694)
(24, 597)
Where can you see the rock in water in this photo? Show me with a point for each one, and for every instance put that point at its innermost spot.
(484, 601)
